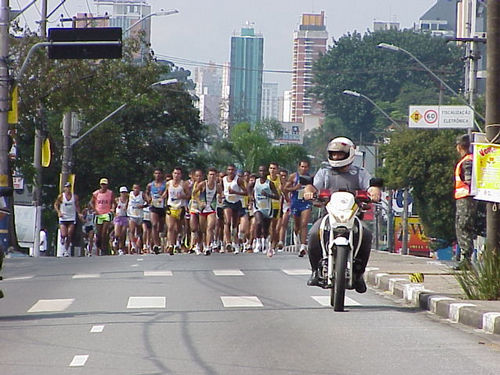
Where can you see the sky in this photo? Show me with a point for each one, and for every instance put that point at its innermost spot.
(202, 29)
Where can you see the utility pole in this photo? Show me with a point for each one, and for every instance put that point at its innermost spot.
(37, 152)
(493, 112)
(66, 160)
(404, 247)
(4, 93)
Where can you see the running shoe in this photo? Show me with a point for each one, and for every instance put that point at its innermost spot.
(208, 252)
(65, 254)
(280, 246)
(197, 250)
(236, 248)
(156, 249)
(170, 250)
(257, 248)
(120, 252)
(270, 252)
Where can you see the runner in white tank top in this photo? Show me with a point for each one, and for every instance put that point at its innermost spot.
(67, 207)
(135, 211)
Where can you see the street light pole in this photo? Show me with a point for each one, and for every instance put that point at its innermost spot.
(4, 93)
(358, 95)
(392, 47)
(158, 13)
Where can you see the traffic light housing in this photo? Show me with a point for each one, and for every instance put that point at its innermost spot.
(86, 51)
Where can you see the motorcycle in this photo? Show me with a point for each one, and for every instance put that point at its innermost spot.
(339, 229)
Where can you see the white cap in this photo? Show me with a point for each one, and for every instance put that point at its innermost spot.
(123, 189)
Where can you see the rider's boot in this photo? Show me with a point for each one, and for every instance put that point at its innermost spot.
(314, 279)
(359, 283)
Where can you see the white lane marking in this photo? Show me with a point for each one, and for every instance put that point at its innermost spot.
(79, 360)
(368, 269)
(18, 278)
(297, 272)
(134, 265)
(147, 303)
(228, 273)
(325, 301)
(50, 305)
(157, 273)
(140, 259)
(489, 320)
(87, 276)
(455, 310)
(97, 329)
(241, 301)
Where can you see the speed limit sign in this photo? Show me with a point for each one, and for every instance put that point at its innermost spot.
(430, 116)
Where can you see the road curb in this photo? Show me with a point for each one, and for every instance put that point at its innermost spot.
(447, 306)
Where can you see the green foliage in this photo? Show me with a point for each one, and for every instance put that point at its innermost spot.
(158, 127)
(249, 147)
(424, 160)
(481, 281)
(355, 63)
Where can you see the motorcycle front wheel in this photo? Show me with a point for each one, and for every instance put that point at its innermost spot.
(337, 293)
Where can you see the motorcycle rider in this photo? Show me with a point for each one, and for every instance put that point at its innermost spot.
(339, 174)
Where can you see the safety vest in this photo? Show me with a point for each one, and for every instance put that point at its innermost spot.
(462, 190)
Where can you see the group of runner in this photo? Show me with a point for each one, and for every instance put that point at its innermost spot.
(216, 211)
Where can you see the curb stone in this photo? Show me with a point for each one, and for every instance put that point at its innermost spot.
(447, 306)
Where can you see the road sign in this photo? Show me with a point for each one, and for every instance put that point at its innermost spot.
(87, 50)
(440, 117)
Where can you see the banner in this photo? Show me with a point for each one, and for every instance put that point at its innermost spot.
(486, 172)
(418, 243)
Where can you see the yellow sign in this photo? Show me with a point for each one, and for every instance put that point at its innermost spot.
(12, 117)
(486, 167)
(416, 116)
(46, 153)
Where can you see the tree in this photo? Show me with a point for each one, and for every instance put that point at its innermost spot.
(424, 161)
(159, 126)
(355, 63)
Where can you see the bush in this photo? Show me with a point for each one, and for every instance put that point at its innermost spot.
(481, 281)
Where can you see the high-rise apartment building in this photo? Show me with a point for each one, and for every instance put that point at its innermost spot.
(245, 95)
(208, 82)
(309, 41)
(270, 101)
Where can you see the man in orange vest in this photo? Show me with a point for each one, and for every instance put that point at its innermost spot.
(465, 203)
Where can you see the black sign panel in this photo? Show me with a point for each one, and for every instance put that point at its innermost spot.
(102, 51)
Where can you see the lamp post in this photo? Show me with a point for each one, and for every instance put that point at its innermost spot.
(67, 124)
(390, 231)
(158, 13)
(392, 47)
(358, 95)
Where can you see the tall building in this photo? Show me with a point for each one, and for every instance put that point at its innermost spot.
(309, 41)
(287, 106)
(440, 19)
(270, 102)
(224, 105)
(208, 82)
(245, 95)
(126, 14)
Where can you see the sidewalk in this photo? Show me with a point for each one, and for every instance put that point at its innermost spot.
(439, 293)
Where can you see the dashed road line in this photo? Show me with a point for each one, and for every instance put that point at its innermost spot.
(297, 272)
(79, 360)
(51, 305)
(241, 301)
(147, 303)
(157, 273)
(325, 301)
(228, 273)
(87, 276)
(97, 329)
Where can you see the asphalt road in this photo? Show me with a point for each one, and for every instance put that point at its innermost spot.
(222, 314)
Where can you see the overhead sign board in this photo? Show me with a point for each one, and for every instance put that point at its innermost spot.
(293, 133)
(440, 117)
(92, 43)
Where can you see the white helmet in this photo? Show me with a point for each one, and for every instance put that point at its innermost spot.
(341, 144)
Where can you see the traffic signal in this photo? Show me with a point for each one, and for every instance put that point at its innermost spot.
(86, 51)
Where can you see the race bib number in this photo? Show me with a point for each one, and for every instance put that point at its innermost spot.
(157, 202)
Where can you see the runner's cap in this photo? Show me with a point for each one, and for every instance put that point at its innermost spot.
(103, 181)
(123, 189)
